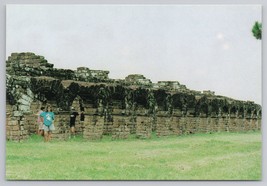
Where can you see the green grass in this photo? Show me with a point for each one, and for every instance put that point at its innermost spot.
(218, 156)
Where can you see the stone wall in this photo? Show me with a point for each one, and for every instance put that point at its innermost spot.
(120, 108)
(93, 128)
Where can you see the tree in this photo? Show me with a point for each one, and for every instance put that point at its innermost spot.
(256, 30)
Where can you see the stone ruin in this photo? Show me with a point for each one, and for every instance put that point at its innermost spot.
(115, 107)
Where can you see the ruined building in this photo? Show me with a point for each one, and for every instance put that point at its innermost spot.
(116, 107)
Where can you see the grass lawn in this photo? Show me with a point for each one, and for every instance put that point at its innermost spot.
(218, 156)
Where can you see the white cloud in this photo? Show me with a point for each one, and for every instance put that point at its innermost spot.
(220, 36)
(226, 46)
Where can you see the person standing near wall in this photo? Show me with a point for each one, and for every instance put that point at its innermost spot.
(40, 122)
(48, 125)
(73, 116)
(82, 120)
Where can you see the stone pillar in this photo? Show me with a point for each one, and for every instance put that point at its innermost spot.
(93, 127)
(132, 124)
(202, 124)
(30, 123)
(197, 124)
(15, 129)
(184, 124)
(259, 124)
(214, 124)
(246, 124)
(162, 126)
(108, 126)
(143, 127)
(175, 125)
(227, 122)
(232, 124)
(221, 126)
(62, 127)
(208, 125)
(120, 127)
(253, 124)
(190, 125)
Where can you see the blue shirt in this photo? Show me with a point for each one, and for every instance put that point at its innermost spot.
(48, 118)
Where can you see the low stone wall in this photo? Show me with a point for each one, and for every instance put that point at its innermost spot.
(15, 130)
(93, 127)
(15, 124)
(120, 127)
(19, 127)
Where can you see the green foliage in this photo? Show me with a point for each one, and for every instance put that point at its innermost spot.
(256, 30)
(218, 156)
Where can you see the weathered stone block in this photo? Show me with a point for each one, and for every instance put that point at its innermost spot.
(17, 113)
(24, 108)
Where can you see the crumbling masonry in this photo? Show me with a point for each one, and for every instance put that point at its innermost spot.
(116, 107)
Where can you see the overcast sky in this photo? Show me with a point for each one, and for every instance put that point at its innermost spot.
(203, 47)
